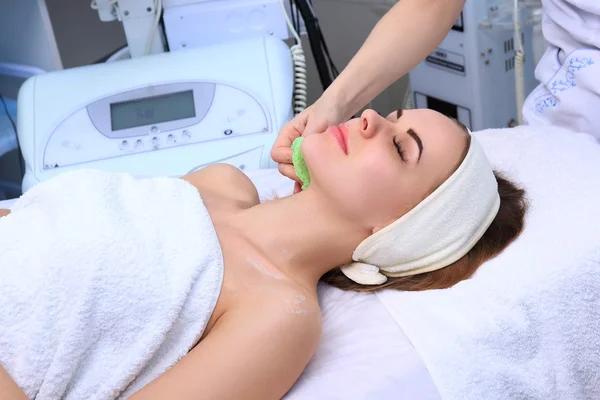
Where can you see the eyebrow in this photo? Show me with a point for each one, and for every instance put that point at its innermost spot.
(414, 135)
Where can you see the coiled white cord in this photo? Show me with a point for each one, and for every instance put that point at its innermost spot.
(299, 61)
(300, 79)
(519, 68)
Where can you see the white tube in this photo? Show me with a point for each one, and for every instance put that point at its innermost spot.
(519, 68)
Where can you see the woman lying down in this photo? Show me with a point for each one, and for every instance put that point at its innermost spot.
(165, 288)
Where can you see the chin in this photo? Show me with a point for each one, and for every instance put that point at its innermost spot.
(315, 155)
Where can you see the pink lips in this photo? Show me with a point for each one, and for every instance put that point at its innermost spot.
(340, 134)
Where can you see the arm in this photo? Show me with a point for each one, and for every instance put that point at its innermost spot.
(9, 389)
(3, 212)
(251, 353)
(403, 37)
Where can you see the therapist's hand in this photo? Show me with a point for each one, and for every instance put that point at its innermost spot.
(313, 120)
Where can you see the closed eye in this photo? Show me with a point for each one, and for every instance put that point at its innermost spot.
(400, 149)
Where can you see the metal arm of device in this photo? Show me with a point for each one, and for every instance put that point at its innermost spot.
(140, 20)
(515, 14)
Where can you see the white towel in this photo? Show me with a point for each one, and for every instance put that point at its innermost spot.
(106, 281)
(527, 325)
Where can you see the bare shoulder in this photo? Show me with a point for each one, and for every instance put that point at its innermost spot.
(290, 316)
(225, 180)
(291, 308)
(256, 350)
(282, 330)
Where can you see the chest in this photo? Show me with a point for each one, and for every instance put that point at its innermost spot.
(247, 274)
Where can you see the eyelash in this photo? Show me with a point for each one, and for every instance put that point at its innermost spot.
(400, 149)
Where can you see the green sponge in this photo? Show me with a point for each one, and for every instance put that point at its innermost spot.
(300, 164)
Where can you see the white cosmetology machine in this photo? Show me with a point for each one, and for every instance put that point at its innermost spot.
(165, 114)
(483, 70)
(217, 87)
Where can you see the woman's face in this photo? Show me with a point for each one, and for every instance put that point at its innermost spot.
(375, 169)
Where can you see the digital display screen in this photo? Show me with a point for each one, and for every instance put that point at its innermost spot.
(152, 110)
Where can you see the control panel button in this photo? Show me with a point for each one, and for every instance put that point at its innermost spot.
(228, 132)
(186, 135)
(171, 139)
(155, 141)
(139, 144)
(124, 145)
(154, 129)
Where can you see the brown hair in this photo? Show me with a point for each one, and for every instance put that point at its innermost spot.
(505, 228)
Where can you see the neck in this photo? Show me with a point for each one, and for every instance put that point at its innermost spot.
(301, 235)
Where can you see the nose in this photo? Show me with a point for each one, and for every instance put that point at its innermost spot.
(370, 123)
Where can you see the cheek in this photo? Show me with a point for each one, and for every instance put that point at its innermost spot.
(377, 170)
(323, 161)
(377, 180)
(386, 187)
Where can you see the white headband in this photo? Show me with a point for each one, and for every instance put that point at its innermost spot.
(438, 231)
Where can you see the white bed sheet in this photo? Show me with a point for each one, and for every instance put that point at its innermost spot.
(364, 353)
(526, 325)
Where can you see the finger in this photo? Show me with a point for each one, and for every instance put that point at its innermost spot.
(297, 188)
(288, 171)
(286, 136)
(291, 130)
(298, 123)
(281, 151)
(282, 154)
(315, 127)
